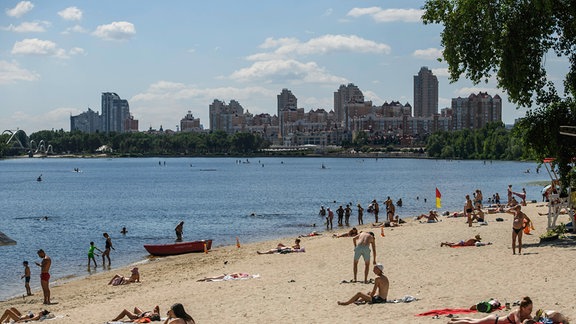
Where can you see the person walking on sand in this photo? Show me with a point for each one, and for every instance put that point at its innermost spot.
(360, 214)
(362, 243)
(106, 253)
(26, 277)
(91, 254)
(179, 230)
(468, 210)
(45, 274)
(381, 285)
(518, 226)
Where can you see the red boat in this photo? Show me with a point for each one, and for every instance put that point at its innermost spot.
(178, 247)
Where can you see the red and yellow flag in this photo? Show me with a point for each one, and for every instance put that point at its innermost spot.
(438, 199)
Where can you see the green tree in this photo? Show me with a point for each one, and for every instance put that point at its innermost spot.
(510, 39)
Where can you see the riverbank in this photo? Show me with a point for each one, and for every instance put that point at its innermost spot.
(304, 287)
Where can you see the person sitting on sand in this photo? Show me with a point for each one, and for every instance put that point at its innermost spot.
(177, 315)
(121, 280)
(432, 217)
(281, 248)
(351, 233)
(15, 316)
(153, 315)
(470, 242)
(381, 284)
(515, 317)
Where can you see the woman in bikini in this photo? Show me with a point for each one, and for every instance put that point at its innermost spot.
(515, 317)
(518, 226)
(177, 315)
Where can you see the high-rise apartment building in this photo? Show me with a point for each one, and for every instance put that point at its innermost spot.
(287, 105)
(223, 116)
(115, 113)
(115, 117)
(346, 94)
(425, 93)
(190, 124)
(476, 111)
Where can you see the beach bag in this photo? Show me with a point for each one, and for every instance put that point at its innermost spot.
(488, 306)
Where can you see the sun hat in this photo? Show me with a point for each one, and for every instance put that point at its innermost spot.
(380, 266)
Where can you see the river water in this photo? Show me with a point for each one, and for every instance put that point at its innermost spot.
(218, 198)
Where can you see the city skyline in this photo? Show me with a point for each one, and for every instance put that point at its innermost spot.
(170, 58)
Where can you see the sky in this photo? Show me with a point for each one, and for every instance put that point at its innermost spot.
(170, 57)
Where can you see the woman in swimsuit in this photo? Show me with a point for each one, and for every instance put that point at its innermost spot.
(177, 315)
(515, 317)
(517, 227)
(16, 316)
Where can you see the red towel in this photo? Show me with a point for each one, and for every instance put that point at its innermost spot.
(447, 311)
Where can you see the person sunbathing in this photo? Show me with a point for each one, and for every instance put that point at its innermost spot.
(515, 317)
(431, 217)
(469, 242)
(13, 314)
(351, 233)
(231, 276)
(281, 248)
(121, 280)
(153, 315)
(381, 285)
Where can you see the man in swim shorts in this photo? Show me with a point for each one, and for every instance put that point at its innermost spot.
(45, 275)
(362, 243)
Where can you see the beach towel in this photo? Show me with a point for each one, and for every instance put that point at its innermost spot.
(233, 276)
(447, 311)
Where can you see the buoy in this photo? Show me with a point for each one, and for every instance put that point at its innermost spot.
(382, 231)
(237, 242)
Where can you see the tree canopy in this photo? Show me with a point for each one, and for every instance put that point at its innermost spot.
(511, 40)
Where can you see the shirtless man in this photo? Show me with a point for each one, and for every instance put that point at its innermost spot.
(469, 242)
(390, 210)
(362, 243)
(179, 229)
(106, 252)
(381, 284)
(518, 226)
(45, 275)
(468, 210)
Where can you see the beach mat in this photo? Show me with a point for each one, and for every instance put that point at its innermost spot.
(448, 311)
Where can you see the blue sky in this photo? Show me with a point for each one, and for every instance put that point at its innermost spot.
(169, 57)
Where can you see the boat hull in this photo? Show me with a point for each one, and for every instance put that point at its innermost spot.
(178, 247)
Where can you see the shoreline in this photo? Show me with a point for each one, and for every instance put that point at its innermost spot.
(304, 287)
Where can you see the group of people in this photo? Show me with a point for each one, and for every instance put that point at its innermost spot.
(344, 213)
(175, 315)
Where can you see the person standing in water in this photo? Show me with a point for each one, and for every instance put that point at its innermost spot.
(179, 230)
(106, 253)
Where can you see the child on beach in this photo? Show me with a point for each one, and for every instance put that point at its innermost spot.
(26, 277)
(91, 254)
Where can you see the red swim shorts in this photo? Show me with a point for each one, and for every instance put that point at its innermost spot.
(45, 276)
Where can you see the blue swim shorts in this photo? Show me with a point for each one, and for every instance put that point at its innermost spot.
(362, 250)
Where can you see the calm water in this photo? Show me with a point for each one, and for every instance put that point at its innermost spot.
(218, 198)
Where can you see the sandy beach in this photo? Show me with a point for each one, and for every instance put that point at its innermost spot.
(305, 287)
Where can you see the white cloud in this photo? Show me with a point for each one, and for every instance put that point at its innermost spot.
(118, 30)
(287, 47)
(76, 51)
(428, 53)
(75, 29)
(71, 13)
(467, 91)
(11, 72)
(28, 27)
(442, 72)
(388, 15)
(35, 46)
(286, 71)
(328, 12)
(20, 10)
(58, 118)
